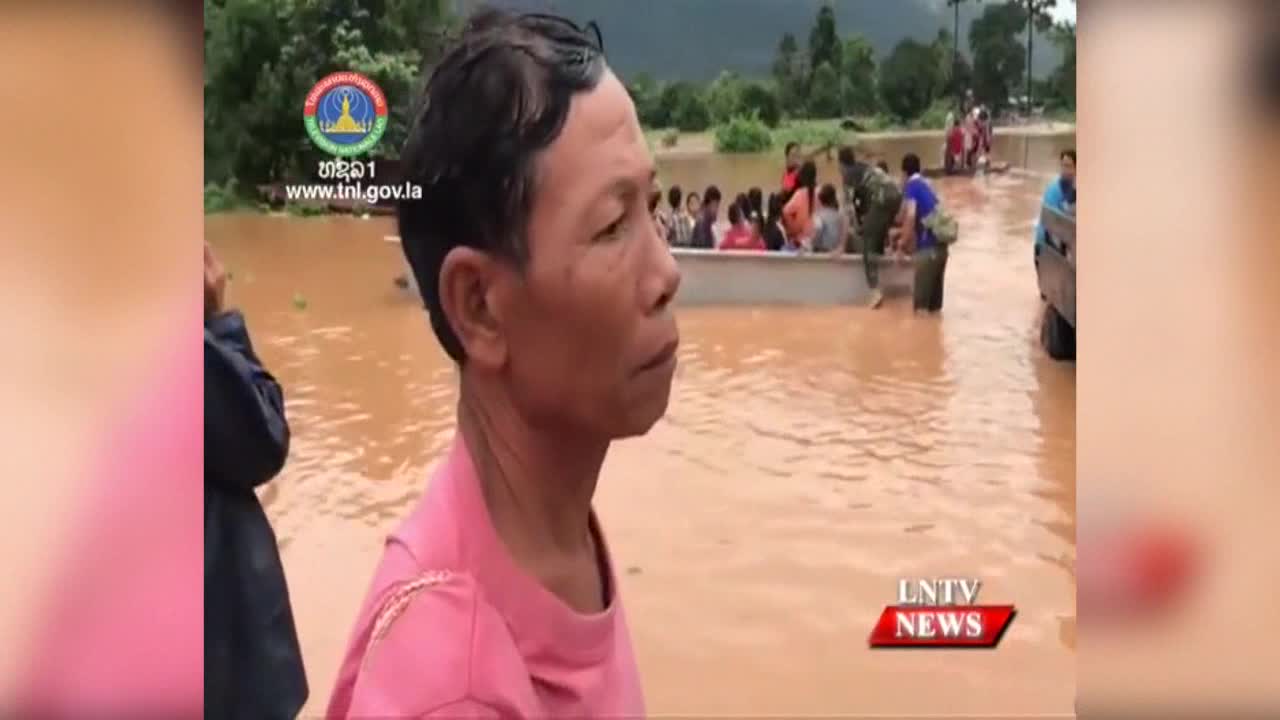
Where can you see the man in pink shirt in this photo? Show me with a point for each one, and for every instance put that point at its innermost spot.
(547, 283)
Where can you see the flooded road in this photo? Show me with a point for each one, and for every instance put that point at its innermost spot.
(809, 458)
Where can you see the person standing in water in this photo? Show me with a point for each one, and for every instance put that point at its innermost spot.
(930, 256)
(872, 190)
(549, 287)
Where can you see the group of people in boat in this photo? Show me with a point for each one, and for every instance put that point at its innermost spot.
(871, 214)
(968, 141)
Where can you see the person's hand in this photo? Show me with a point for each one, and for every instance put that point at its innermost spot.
(215, 283)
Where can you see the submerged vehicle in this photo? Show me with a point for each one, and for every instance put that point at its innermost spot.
(1056, 274)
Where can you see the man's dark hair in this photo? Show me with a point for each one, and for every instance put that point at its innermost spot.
(774, 207)
(883, 166)
(674, 196)
(827, 196)
(755, 198)
(808, 175)
(499, 97)
(789, 147)
(711, 195)
(1069, 154)
(846, 155)
(910, 164)
(735, 214)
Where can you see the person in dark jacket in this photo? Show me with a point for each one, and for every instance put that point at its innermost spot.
(252, 662)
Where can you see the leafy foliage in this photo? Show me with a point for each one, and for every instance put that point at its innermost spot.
(789, 73)
(690, 113)
(1062, 82)
(910, 79)
(824, 45)
(824, 98)
(763, 102)
(743, 134)
(810, 134)
(998, 60)
(858, 76)
(724, 96)
(263, 56)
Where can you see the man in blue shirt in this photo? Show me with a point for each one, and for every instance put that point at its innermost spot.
(1060, 195)
(918, 202)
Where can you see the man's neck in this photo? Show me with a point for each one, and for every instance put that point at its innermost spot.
(537, 483)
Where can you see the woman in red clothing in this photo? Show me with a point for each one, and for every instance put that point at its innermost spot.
(797, 214)
(795, 160)
(740, 235)
(955, 146)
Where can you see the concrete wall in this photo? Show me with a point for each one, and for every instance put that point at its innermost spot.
(717, 277)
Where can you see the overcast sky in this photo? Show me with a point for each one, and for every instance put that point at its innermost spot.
(1066, 10)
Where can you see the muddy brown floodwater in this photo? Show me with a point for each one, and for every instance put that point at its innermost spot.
(809, 458)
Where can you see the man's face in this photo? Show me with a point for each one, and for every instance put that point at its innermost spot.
(793, 157)
(588, 325)
(713, 209)
(1068, 168)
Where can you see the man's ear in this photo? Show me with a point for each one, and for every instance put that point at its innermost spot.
(468, 282)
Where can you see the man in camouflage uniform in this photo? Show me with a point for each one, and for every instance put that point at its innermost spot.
(871, 203)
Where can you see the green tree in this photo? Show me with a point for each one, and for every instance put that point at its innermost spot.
(760, 99)
(788, 72)
(957, 74)
(690, 113)
(910, 79)
(670, 99)
(743, 134)
(724, 96)
(1038, 20)
(645, 93)
(998, 62)
(824, 44)
(858, 76)
(824, 95)
(956, 57)
(261, 58)
(1062, 82)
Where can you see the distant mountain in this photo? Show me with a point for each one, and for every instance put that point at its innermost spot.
(696, 39)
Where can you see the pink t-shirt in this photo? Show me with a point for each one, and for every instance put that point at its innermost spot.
(740, 237)
(452, 627)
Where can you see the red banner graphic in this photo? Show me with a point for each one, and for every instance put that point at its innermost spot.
(949, 626)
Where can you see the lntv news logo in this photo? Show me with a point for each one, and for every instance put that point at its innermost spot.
(941, 613)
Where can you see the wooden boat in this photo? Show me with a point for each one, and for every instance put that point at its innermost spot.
(1056, 275)
(720, 277)
(733, 277)
(993, 169)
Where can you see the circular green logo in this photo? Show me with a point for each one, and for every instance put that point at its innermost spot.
(345, 114)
